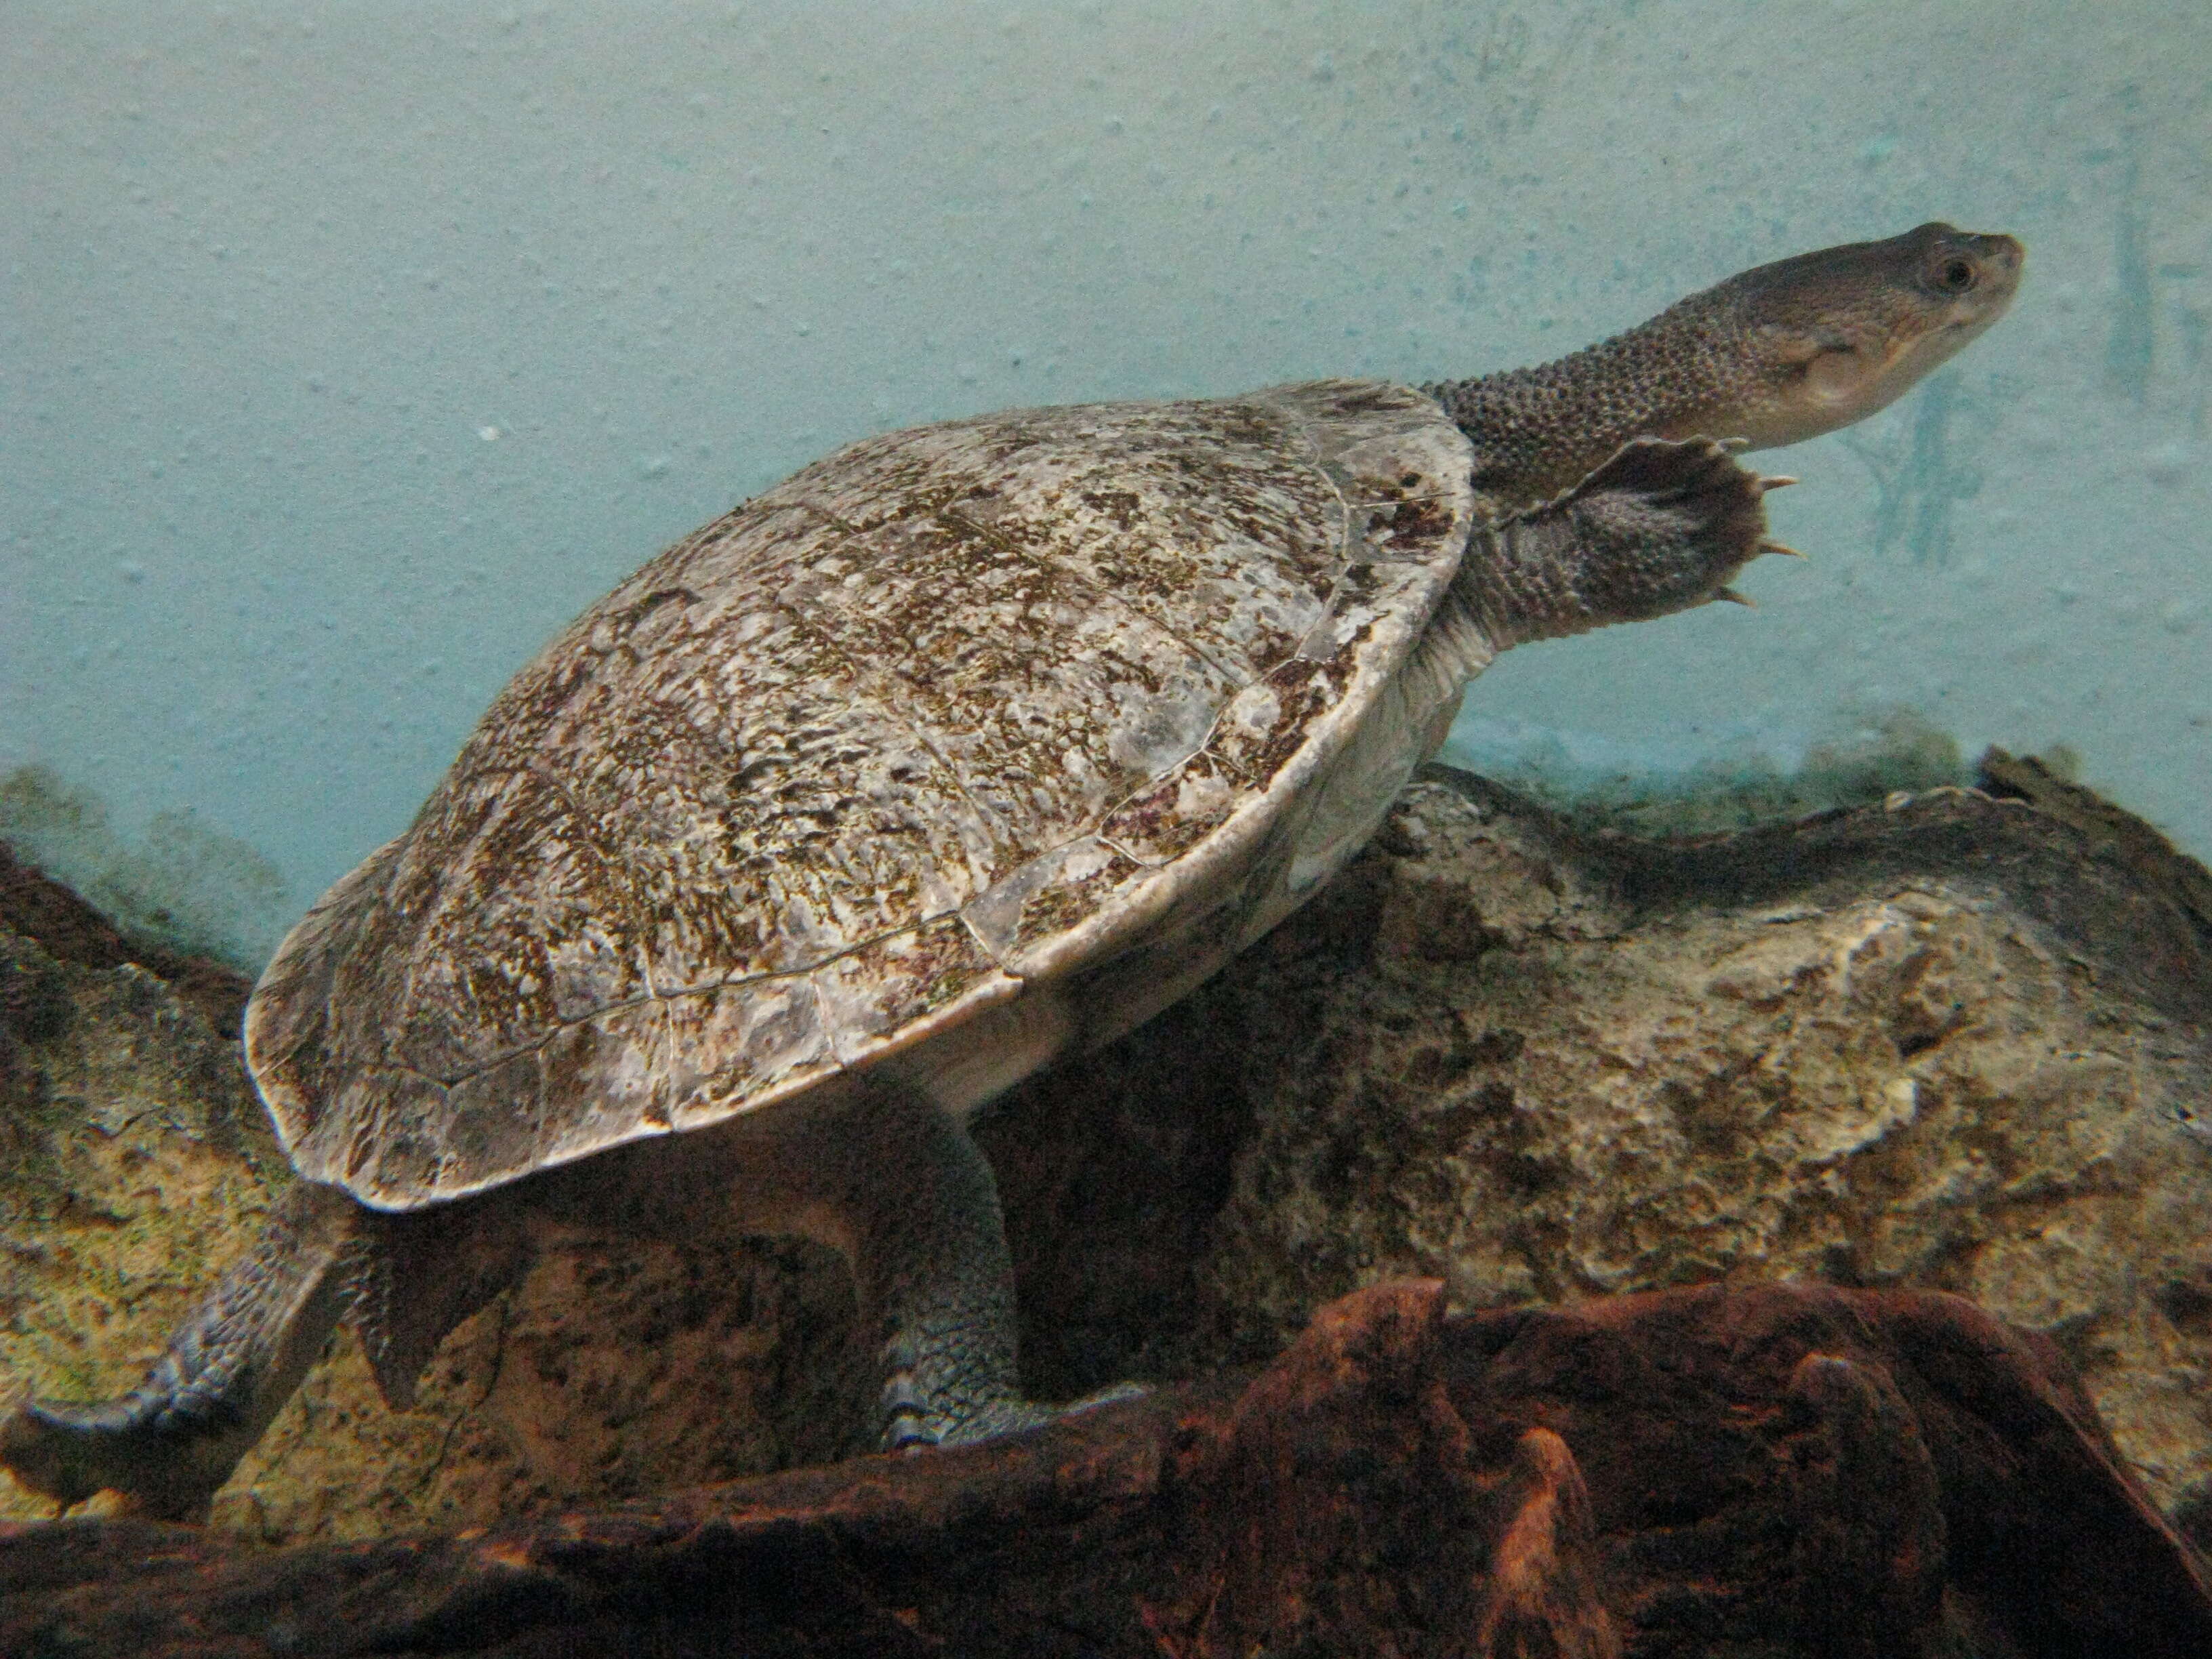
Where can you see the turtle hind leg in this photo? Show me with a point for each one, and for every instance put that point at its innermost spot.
(916, 1210)
(172, 1441)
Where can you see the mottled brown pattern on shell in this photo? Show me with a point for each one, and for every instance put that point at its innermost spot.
(1049, 894)
(752, 1041)
(291, 1040)
(1049, 699)
(871, 994)
(1061, 905)
(948, 707)
(1160, 824)
(1270, 721)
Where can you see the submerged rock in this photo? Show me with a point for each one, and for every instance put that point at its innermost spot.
(135, 1162)
(1955, 1043)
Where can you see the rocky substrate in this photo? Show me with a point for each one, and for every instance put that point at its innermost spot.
(1957, 1042)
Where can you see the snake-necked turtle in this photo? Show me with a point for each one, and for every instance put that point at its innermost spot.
(967, 747)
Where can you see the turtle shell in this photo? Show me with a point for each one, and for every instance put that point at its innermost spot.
(953, 714)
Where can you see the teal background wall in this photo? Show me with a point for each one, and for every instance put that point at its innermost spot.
(346, 351)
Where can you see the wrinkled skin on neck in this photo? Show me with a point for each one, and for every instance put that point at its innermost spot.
(1781, 353)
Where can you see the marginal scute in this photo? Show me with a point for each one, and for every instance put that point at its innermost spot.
(495, 1116)
(1410, 530)
(949, 714)
(874, 997)
(393, 1124)
(1159, 825)
(598, 1072)
(766, 1034)
(291, 1038)
(1271, 723)
(1049, 896)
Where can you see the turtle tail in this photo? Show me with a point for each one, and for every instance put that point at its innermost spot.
(173, 1440)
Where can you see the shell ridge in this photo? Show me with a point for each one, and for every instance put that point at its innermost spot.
(1290, 412)
(554, 1029)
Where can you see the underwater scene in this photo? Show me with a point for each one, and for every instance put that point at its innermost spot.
(1405, 851)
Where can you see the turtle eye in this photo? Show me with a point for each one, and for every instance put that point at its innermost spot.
(1956, 275)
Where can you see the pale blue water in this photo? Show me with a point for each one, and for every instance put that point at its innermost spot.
(350, 350)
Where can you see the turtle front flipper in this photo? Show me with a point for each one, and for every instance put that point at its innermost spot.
(173, 1440)
(1661, 527)
(912, 1203)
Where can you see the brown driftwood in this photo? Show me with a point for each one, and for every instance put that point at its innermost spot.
(1779, 1471)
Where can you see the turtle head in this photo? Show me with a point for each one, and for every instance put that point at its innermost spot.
(1826, 338)
(1780, 353)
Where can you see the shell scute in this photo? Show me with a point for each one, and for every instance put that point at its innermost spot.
(733, 1042)
(1049, 897)
(497, 1114)
(1158, 825)
(1048, 698)
(1267, 724)
(871, 995)
(519, 921)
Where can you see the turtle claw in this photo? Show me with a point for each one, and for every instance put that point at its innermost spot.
(1734, 598)
(1769, 545)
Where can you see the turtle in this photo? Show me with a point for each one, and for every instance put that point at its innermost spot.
(969, 747)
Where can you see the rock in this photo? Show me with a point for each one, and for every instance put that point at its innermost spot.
(135, 1161)
(130, 1153)
(1794, 1472)
(35, 907)
(1954, 1042)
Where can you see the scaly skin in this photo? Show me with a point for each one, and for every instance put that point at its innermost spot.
(226, 1372)
(1777, 355)
(1611, 495)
